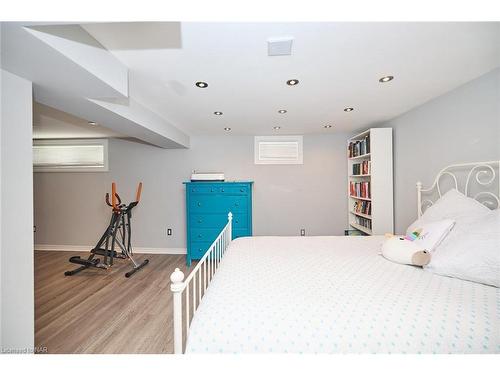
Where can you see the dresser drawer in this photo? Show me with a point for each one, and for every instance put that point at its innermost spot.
(214, 189)
(233, 190)
(217, 220)
(204, 234)
(198, 249)
(201, 239)
(213, 204)
(203, 189)
(209, 234)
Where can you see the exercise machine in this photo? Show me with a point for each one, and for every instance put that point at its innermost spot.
(116, 241)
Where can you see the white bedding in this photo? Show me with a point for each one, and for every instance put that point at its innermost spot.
(337, 295)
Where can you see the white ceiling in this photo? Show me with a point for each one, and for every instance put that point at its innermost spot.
(72, 72)
(137, 35)
(50, 123)
(137, 79)
(338, 65)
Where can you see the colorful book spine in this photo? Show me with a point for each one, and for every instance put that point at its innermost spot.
(362, 168)
(362, 207)
(359, 147)
(367, 223)
(360, 189)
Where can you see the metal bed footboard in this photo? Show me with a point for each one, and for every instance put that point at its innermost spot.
(195, 285)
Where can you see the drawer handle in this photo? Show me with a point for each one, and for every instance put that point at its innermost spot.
(222, 190)
(236, 204)
(200, 221)
(199, 204)
(237, 221)
(212, 190)
(199, 236)
(193, 190)
(242, 190)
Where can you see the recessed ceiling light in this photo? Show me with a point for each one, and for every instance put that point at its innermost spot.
(327, 126)
(348, 109)
(277, 127)
(201, 85)
(386, 79)
(292, 82)
(93, 123)
(282, 111)
(227, 129)
(218, 113)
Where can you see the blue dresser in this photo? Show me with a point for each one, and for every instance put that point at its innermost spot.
(207, 206)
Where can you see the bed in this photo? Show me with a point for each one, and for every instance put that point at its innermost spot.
(333, 295)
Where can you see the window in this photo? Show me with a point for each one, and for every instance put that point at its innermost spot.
(82, 155)
(278, 150)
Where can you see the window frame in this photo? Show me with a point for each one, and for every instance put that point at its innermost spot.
(74, 142)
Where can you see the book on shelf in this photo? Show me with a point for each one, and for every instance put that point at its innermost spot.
(367, 223)
(359, 147)
(360, 189)
(362, 207)
(362, 168)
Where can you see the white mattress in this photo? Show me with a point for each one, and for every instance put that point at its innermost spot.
(337, 295)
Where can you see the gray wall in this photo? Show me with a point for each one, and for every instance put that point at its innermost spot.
(69, 207)
(460, 126)
(17, 287)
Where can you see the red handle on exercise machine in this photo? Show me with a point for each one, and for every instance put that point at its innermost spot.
(113, 196)
(138, 194)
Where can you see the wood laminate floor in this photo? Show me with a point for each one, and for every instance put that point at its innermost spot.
(101, 311)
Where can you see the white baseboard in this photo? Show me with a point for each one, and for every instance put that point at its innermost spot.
(138, 250)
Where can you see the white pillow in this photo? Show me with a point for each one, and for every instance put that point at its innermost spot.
(471, 251)
(431, 234)
(399, 250)
(452, 205)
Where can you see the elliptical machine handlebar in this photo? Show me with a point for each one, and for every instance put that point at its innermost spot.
(138, 193)
(117, 197)
(137, 197)
(116, 202)
(113, 196)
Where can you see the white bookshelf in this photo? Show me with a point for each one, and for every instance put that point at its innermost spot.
(380, 179)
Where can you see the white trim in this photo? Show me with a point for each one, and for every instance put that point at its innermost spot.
(137, 250)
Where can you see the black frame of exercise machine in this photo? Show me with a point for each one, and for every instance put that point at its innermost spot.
(118, 232)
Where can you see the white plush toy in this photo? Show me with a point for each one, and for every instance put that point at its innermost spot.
(401, 250)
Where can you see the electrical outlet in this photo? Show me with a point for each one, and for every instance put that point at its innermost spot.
(34, 228)
(169, 232)
(302, 232)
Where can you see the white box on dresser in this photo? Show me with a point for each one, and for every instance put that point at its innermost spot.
(380, 178)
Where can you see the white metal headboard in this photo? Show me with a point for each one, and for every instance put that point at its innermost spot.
(479, 180)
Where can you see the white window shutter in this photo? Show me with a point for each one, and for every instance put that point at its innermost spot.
(70, 155)
(278, 150)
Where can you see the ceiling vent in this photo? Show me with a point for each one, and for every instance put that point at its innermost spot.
(279, 46)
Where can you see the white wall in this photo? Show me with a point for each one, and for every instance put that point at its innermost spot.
(286, 197)
(460, 126)
(16, 214)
